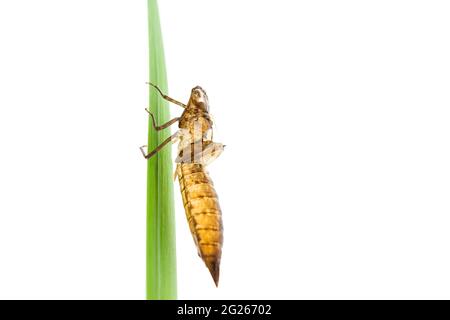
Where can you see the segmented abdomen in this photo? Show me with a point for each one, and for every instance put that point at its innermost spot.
(203, 214)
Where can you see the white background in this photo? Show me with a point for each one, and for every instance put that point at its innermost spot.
(336, 178)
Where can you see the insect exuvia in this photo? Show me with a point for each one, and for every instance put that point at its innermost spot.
(196, 150)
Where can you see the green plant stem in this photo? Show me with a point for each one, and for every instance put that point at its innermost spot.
(161, 253)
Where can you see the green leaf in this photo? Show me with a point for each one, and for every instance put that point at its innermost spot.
(161, 252)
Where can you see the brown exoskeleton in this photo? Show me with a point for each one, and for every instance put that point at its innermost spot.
(196, 150)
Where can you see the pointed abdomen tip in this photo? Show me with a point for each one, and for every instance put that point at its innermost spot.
(214, 269)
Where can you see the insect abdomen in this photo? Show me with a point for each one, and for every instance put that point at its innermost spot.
(203, 213)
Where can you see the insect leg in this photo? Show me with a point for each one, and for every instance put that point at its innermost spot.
(162, 145)
(166, 97)
(163, 126)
